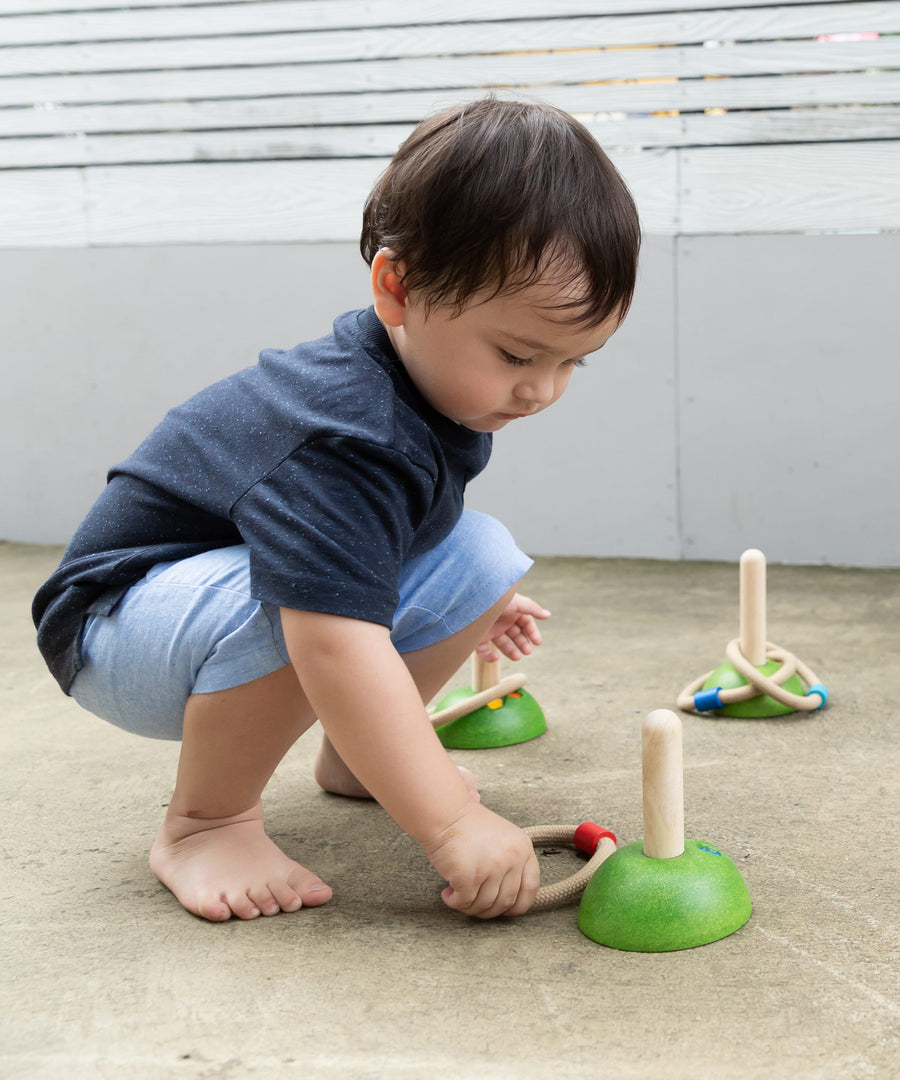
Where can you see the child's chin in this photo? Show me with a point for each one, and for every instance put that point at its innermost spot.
(487, 423)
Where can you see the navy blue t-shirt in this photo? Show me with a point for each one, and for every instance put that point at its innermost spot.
(325, 460)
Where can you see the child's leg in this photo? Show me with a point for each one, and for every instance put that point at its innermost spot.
(212, 851)
(188, 654)
(449, 599)
(430, 668)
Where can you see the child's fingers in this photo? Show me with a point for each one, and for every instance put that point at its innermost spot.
(456, 899)
(488, 863)
(490, 898)
(510, 649)
(468, 896)
(497, 898)
(513, 894)
(531, 880)
(486, 651)
(528, 606)
(513, 641)
(491, 648)
(529, 631)
(524, 634)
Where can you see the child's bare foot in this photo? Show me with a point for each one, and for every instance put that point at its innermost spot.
(228, 866)
(332, 775)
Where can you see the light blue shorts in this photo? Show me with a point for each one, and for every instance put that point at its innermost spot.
(192, 627)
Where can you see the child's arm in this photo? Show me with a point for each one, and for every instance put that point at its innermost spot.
(374, 716)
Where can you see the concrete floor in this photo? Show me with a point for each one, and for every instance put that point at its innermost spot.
(106, 976)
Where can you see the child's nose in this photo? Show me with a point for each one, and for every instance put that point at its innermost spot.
(537, 388)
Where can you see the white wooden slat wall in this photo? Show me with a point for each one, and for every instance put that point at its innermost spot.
(175, 121)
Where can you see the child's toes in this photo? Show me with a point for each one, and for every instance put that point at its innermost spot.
(243, 907)
(287, 898)
(311, 889)
(216, 909)
(264, 900)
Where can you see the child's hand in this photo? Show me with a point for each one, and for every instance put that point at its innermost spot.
(515, 633)
(489, 863)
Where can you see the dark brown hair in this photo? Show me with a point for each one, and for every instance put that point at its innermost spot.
(485, 197)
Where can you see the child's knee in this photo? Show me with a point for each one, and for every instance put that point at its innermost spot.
(482, 561)
(449, 587)
(488, 548)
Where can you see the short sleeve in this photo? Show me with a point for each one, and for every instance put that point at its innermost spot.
(329, 527)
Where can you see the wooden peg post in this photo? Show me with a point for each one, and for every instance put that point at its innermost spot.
(485, 673)
(753, 607)
(663, 785)
(686, 892)
(758, 678)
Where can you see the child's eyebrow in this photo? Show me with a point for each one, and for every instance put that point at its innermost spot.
(529, 343)
(539, 346)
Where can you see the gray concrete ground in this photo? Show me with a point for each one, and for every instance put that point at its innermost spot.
(106, 976)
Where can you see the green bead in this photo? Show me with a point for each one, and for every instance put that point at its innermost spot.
(728, 677)
(641, 904)
(517, 720)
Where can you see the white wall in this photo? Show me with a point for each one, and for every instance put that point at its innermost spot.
(103, 341)
(761, 410)
(181, 182)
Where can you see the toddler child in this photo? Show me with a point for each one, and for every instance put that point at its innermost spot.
(295, 534)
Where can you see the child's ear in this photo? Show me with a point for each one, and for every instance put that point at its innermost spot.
(388, 291)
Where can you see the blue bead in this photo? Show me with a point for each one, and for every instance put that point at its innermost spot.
(707, 700)
(818, 688)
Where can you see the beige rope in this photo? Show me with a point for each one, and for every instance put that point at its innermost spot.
(551, 895)
(759, 684)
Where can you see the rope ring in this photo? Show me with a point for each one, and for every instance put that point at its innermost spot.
(759, 684)
(583, 838)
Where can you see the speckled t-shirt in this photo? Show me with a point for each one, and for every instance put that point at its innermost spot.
(324, 459)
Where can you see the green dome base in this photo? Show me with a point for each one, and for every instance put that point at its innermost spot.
(517, 719)
(728, 677)
(641, 904)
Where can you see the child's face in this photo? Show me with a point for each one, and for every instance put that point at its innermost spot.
(500, 360)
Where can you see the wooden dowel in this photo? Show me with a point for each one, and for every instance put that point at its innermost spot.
(663, 783)
(485, 673)
(753, 607)
(505, 686)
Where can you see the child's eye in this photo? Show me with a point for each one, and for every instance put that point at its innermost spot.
(516, 361)
(580, 362)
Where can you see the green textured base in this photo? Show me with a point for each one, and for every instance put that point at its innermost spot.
(517, 720)
(755, 708)
(641, 904)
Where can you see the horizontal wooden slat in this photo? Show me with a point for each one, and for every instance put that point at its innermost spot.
(334, 14)
(444, 41)
(755, 127)
(375, 140)
(820, 187)
(854, 88)
(278, 202)
(239, 122)
(442, 74)
(379, 140)
(849, 186)
(128, 39)
(44, 209)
